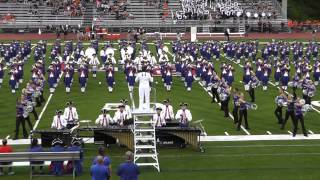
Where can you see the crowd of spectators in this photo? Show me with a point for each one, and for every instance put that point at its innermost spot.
(8, 18)
(67, 7)
(193, 10)
(118, 8)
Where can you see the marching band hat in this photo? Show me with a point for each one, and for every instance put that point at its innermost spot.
(75, 141)
(159, 109)
(105, 110)
(69, 103)
(166, 100)
(58, 111)
(183, 104)
(57, 141)
(121, 106)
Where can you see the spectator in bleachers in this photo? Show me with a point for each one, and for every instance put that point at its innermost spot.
(5, 148)
(35, 147)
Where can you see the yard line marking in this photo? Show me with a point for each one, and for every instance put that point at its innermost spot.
(42, 111)
(231, 116)
(268, 132)
(315, 109)
(226, 133)
(310, 132)
(290, 132)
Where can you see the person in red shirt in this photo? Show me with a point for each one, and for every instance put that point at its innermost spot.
(6, 149)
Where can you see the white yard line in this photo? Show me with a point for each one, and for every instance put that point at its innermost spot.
(231, 116)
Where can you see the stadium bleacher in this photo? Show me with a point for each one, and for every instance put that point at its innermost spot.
(138, 13)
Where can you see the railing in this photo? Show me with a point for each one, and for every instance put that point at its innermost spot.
(138, 23)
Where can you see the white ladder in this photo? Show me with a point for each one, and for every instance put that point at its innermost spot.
(145, 139)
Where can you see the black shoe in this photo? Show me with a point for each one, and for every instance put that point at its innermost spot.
(306, 135)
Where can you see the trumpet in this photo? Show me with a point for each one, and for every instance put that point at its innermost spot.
(252, 106)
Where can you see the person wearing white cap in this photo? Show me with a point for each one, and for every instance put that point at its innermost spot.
(158, 118)
(71, 115)
(144, 78)
(184, 115)
(59, 121)
(120, 116)
(167, 110)
(104, 119)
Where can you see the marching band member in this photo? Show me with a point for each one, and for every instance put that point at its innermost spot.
(247, 76)
(59, 122)
(308, 90)
(20, 120)
(71, 115)
(285, 79)
(167, 111)
(1, 72)
(236, 104)
(76, 165)
(316, 73)
(103, 54)
(299, 117)
(144, 78)
(110, 77)
(280, 102)
(215, 82)
(104, 119)
(265, 76)
(183, 115)
(243, 113)
(83, 75)
(253, 83)
(120, 115)
(127, 108)
(12, 80)
(130, 76)
(51, 78)
(168, 78)
(158, 118)
(94, 62)
(289, 111)
(68, 77)
(188, 78)
(57, 166)
(224, 93)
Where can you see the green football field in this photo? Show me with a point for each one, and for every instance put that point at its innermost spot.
(221, 160)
